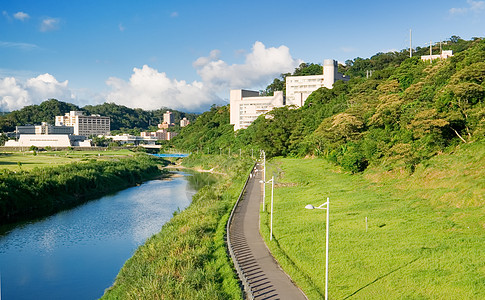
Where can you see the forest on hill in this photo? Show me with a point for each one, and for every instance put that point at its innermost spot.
(123, 119)
(406, 112)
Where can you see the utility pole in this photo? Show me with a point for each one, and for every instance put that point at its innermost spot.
(410, 43)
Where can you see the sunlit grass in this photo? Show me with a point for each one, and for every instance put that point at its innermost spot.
(15, 161)
(188, 258)
(425, 232)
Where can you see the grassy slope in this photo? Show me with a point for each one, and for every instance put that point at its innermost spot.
(425, 232)
(188, 259)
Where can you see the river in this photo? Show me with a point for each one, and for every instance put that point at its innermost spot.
(77, 253)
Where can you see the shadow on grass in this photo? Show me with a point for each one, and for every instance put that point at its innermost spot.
(295, 266)
(380, 277)
(7, 163)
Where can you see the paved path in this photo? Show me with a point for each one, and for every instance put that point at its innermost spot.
(265, 277)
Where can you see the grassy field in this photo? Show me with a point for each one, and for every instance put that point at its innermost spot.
(425, 237)
(15, 161)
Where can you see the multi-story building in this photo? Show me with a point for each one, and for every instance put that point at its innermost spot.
(46, 135)
(162, 134)
(44, 128)
(85, 125)
(184, 122)
(298, 88)
(168, 120)
(246, 106)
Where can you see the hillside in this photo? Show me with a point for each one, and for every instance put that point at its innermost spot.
(406, 112)
(122, 118)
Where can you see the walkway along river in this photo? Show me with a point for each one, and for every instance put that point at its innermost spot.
(77, 253)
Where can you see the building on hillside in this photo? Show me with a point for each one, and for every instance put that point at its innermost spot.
(44, 128)
(85, 125)
(184, 122)
(168, 120)
(162, 134)
(168, 117)
(444, 55)
(298, 88)
(246, 106)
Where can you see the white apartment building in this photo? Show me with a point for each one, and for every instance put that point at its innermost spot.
(184, 122)
(85, 125)
(298, 88)
(246, 106)
(168, 117)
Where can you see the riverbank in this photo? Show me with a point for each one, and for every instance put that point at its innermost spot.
(77, 253)
(42, 191)
(188, 258)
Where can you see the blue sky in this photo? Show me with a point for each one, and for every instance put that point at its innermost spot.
(188, 54)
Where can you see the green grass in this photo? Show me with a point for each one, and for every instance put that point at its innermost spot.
(425, 237)
(188, 258)
(15, 161)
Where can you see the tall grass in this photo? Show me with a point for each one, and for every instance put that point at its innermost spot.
(188, 259)
(42, 191)
(425, 233)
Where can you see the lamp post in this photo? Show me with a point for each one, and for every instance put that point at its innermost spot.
(272, 192)
(309, 206)
(264, 178)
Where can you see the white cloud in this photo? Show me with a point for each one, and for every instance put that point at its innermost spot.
(21, 16)
(149, 89)
(347, 49)
(121, 27)
(20, 46)
(260, 67)
(473, 7)
(389, 50)
(15, 95)
(476, 6)
(174, 14)
(6, 15)
(49, 24)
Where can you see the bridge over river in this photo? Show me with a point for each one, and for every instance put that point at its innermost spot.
(171, 155)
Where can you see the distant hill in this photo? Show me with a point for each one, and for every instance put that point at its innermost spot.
(122, 117)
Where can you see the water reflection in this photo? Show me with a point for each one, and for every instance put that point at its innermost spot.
(77, 253)
(198, 180)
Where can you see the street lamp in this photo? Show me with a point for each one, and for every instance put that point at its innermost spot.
(309, 206)
(272, 191)
(264, 176)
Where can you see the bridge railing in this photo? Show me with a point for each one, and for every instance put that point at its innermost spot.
(171, 155)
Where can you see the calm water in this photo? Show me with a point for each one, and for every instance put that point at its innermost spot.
(76, 254)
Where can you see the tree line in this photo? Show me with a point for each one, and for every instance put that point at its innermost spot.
(406, 112)
(123, 119)
(42, 191)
